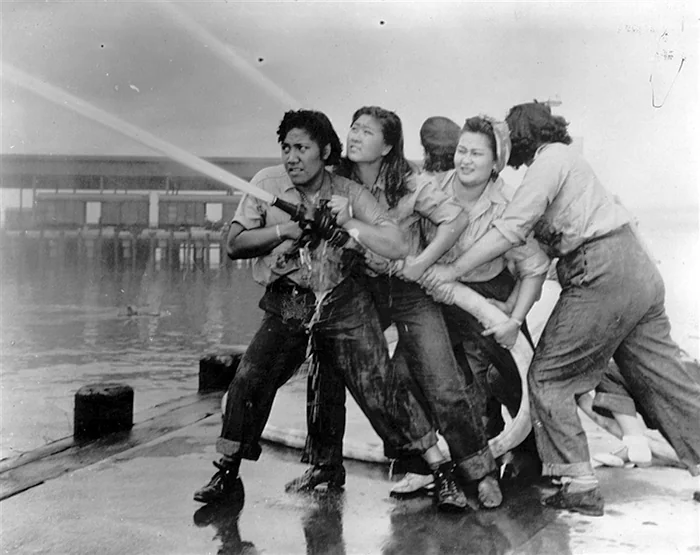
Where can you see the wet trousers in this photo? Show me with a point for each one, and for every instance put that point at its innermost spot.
(611, 306)
(350, 346)
(489, 370)
(423, 363)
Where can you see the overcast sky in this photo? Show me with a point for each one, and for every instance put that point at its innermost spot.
(215, 77)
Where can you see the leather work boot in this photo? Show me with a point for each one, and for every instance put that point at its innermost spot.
(448, 495)
(333, 475)
(224, 485)
(589, 502)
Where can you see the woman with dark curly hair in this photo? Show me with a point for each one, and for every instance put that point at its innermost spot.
(423, 360)
(611, 306)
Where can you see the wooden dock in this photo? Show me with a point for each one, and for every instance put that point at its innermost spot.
(138, 248)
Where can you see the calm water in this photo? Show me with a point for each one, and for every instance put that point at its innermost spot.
(61, 328)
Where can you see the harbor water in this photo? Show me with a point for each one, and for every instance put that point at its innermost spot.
(65, 324)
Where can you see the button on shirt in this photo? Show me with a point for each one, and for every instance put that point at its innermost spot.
(528, 259)
(253, 213)
(562, 201)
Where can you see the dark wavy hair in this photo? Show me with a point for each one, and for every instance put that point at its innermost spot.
(439, 160)
(395, 168)
(532, 125)
(319, 128)
(482, 126)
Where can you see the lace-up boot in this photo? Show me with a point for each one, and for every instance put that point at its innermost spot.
(333, 475)
(224, 485)
(448, 495)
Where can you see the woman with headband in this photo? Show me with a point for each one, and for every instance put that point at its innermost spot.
(481, 153)
(513, 282)
(611, 305)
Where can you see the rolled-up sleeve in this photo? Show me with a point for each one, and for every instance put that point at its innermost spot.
(250, 213)
(541, 184)
(435, 204)
(366, 208)
(529, 259)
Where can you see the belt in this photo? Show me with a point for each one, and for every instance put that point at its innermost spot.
(611, 233)
(593, 240)
(285, 285)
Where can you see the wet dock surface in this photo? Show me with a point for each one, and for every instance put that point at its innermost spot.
(139, 500)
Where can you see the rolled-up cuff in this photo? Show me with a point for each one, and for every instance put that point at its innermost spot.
(570, 469)
(232, 448)
(415, 464)
(420, 445)
(513, 237)
(478, 465)
(608, 403)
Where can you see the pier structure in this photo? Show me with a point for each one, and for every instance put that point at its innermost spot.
(120, 210)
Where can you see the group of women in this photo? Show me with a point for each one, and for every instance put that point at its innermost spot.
(465, 224)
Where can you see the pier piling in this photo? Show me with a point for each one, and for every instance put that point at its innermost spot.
(101, 409)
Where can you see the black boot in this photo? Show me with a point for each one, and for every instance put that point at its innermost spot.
(333, 475)
(448, 495)
(225, 484)
(589, 502)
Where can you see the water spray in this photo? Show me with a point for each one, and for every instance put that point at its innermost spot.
(67, 100)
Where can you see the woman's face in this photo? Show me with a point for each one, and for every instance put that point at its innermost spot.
(474, 159)
(366, 141)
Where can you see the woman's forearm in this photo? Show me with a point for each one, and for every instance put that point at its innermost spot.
(529, 293)
(513, 297)
(386, 240)
(446, 236)
(250, 243)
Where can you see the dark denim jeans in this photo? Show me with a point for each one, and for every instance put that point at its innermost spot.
(350, 345)
(424, 363)
(611, 305)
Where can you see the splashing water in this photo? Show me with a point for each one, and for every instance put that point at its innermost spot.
(231, 57)
(321, 270)
(321, 288)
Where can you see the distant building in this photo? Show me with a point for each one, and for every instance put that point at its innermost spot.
(66, 190)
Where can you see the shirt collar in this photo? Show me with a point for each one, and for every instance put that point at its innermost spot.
(326, 187)
(491, 195)
(540, 149)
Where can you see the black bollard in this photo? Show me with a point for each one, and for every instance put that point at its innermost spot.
(217, 371)
(102, 409)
